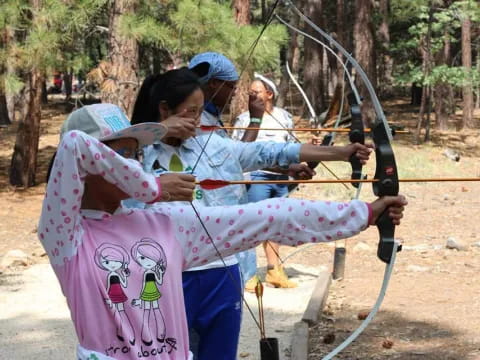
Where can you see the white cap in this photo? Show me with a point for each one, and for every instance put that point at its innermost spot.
(108, 122)
(267, 81)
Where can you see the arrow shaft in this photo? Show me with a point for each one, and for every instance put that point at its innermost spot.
(336, 130)
(331, 181)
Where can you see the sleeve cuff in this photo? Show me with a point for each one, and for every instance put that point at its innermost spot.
(159, 191)
(370, 214)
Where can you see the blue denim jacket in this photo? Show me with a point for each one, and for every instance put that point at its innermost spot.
(223, 159)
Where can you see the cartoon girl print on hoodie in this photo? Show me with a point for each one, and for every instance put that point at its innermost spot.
(115, 260)
(151, 257)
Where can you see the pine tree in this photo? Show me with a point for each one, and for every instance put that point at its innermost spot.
(44, 29)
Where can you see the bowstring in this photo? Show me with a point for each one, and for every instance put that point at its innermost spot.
(250, 53)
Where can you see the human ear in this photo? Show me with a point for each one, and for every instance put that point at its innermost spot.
(270, 95)
(164, 110)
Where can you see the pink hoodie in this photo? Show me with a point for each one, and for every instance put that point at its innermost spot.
(122, 273)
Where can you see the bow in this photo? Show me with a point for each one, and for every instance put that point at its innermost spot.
(386, 171)
(313, 115)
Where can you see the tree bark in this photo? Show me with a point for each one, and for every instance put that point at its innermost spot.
(122, 82)
(425, 46)
(341, 36)
(24, 159)
(4, 118)
(477, 101)
(313, 79)
(67, 83)
(386, 61)
(10, 70)
(241, 9)
(442, 90)
(467, 118)
(364, 53)
(44, 92)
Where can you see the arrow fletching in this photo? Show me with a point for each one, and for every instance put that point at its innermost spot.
(259, 289)
(208, 127)
(210, 184)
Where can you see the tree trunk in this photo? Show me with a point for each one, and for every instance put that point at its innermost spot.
(341, 36)
(241, 9)
(364, 53)
(67, 83)
(264, 11)
(10, 70)
(288, 54)
(467, 118)
(477, 102)
(44, 93)
(24, 158)
(121, 86)
(442, 90)
(313, 58)
(4, 118)
(386, 61)
(425, 46)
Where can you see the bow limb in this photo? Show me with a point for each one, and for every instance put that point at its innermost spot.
(386, 169)
(386, 166)
(376, 103)
(313, 115)
(326, 47)
(355, 136)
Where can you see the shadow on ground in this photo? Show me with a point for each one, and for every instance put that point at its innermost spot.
(411, 339)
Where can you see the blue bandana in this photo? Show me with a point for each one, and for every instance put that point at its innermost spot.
(221, 67)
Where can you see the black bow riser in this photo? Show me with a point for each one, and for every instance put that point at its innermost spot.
(356, 135)
(386, 185)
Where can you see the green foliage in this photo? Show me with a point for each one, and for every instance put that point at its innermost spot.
(13, 84)
(183, 28)
(410, 24)
(48, 38)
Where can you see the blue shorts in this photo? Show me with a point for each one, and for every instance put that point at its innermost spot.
(260, 192)
(214, 312)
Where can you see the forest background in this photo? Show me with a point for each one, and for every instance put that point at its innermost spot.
(422, 57)
(426, 49)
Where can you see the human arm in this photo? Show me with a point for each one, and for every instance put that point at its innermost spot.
(107, 300)
(79, 155)
(256, 109)
(286, 221)
(267, 154)
(309, 152)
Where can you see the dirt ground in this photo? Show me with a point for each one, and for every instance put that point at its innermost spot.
(432, 307)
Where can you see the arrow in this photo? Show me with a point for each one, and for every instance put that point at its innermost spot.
(212, 184)
(259, 295)
(338, 130)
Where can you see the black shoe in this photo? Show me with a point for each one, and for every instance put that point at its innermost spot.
(132, 342)
(119, 337)
(147, 343)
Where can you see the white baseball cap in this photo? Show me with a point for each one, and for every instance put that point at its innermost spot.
(108, 122)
